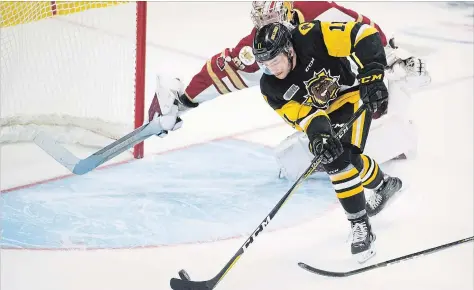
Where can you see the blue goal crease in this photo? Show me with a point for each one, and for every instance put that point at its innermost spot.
(215, 190)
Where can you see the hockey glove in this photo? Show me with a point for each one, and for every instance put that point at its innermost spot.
(168, 103)
(169, 92)
(372, 88)
(327, 146)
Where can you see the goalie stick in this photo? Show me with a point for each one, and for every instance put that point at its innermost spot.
(385, 263)
(186, 284)
(82, 166)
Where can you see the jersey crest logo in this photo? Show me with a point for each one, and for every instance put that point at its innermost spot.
(221, 63)
(322, 88)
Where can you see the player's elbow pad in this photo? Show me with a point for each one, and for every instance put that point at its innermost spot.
(370, 49)
(317, 126)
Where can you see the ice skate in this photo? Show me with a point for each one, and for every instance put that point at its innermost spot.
(362, 247)
(377, 201)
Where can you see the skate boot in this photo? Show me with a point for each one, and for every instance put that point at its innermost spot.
(402, 156)
(362, 247)
(380, 197)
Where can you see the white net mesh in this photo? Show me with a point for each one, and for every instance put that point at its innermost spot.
(67, 68)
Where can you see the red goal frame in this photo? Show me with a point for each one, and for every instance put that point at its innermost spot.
(140, 58)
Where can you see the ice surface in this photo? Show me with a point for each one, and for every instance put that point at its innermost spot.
(130, 199)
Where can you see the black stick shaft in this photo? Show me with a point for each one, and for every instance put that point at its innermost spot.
(178, 284)
(385, 263)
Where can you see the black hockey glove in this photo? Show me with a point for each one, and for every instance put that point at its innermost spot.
(327, 146)
(372, 88)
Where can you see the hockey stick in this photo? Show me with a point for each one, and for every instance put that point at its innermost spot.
(82, 166)
(385, 263)
(186, 284)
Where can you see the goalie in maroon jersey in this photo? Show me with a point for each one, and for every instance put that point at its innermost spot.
(236, 69)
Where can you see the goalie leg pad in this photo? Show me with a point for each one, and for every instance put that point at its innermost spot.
(390, 136)
(293, 155)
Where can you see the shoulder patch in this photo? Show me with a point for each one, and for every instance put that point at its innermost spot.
(305, 27)
(289, 94)
(246, 55)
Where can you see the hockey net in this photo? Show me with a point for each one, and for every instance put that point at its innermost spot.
(72, 69)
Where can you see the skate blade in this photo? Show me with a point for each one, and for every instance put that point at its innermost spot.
(364, 256)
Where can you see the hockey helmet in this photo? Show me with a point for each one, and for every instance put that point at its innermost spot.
(266, 12)
(271, 40)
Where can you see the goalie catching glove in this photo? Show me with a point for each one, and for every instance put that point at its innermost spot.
(327, 146)
(168, 103)
(372, 88)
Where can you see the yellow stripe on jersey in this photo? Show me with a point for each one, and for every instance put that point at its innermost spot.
(306, 121)
(357, 60)
(292, 111)
(219, 84)
(234, 78)
(363, 32)
(300, 16)
(350, 97)
(358, 127)
(297, 114)
(337, 37)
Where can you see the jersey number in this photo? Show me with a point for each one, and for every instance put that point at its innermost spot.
(338, 26)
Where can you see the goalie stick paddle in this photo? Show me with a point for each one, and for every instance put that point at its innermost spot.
(385, 263)
(82, 166)
(186, 284)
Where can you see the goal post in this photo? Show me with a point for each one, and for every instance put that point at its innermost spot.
(140, 70)
(75, 70)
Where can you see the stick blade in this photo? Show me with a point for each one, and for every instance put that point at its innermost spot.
(178, 284)
(323, 272)
(86, 165)
(83, 166)
(55, 150)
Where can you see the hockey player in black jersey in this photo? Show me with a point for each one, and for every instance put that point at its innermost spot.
(316, 77)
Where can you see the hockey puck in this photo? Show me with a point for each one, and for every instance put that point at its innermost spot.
(184, 275)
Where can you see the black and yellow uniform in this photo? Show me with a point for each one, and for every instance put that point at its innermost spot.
(321, 93)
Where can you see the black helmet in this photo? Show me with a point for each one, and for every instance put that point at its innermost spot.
(270, 40)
